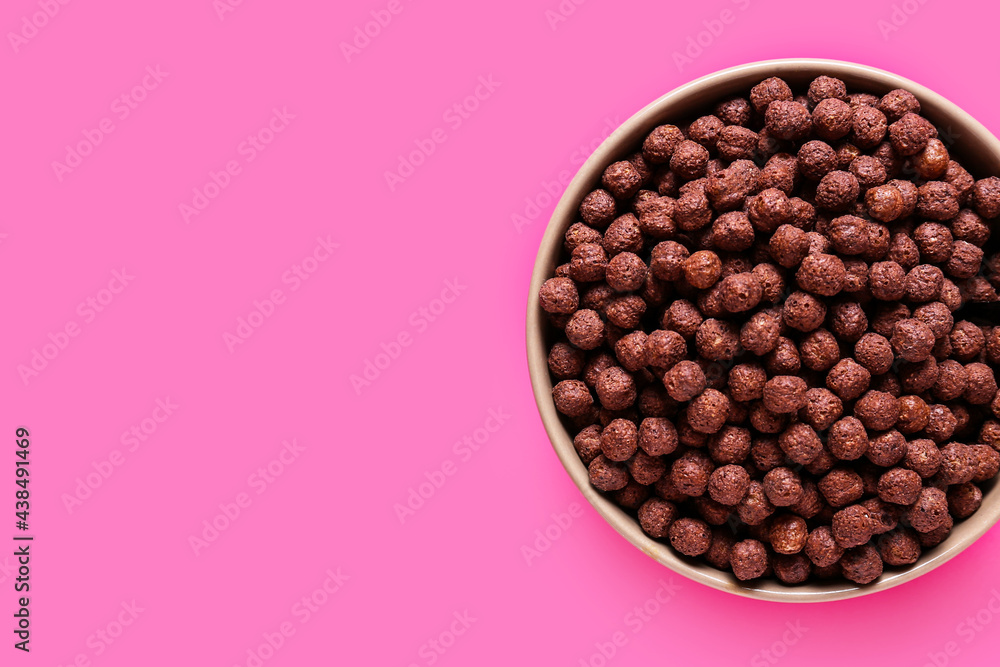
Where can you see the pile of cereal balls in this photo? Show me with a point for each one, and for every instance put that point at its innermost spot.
(754, 337)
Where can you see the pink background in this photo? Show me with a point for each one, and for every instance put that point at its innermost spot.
(554, 88)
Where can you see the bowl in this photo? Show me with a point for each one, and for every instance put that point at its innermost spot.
(684, 103)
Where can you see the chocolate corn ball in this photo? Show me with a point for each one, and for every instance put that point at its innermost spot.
(791, 569)
(708, 412)
(664, 348)
(631, 351)
(717, 340)
(754, 508)
(578, 234)
(788, 246)
(626, 272)
(920, 377)
(989, 433)
(937, 317)
(967, 341)
(667, 260)
(720, 551)
(914, 413)
(852, 526)
(565, 361)
(684, 381)
(941, 423)
(588, 443)
(968, 226)
(623, 311)
(986, 197)
(874, 352)
(923, 283)
(821, 548)
(822, 408)
(646, 469)
(952, 380)
(788, 534)
(869, 126)
(689, 159)
(965, 261)
(832, 119)
(691, 537)
(886, 449)
(683, 317)
(869, 171)
(912, 340)
(819, 350)
(621, 179)
(899, 547)
(964, 500)
(731, 445)
(887, 281)
(623, 235)
(572, 398)
(861, 565)
(761, 332)
(732, 232)
(821, 274)
(690, 473)
(616, 388)
(782, 486)
(897, 103)
(877, 410)
(986, 461)
(702, 269)
(848, 439)
(803, 311)
(932, 538)
(884, 203)
(900, 486)
(816, 159)
(657, 436)
(841, 487)
(588, 263)
(800, 443)
(785, 394)
(749, 559)
(619, 440)
(598, 208)
(736, 143)
(837, 191)
(848, 234)
(741, 292)
(728, 484)
(784, 358)
(909, 135)
(932, 162)
(606, 475)
(768, 210)
(981, 386)
(660, 144)
(930, 510)
(848, 321)
(937, 200)
(788, 120)
(705, 130)
(848, 379)
(656, 516)
(958, 464)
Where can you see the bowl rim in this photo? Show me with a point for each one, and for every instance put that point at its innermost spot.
(663, 109)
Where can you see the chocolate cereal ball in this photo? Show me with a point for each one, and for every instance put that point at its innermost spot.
(861, 565)
(572, 398)
(749, 559)
(887, 281)
(899, 547)
(730, 445)
(923, 283)
(657, 436)
(822, 408)
(909, 135)
(964, 500)
(986, 197)
(800, 443)
(912, 340)
(782, 486)
(803, 311)
(598, 208)
(660, 144)
(702, 269)
(788, 534)
(607, 475)
(708, 412)
(914, 414)
(728, 484)
(565, 361)
(559, 295)
(616, 388)
(788, 120)
(664, 348)
(874, 353)
(837, 191)
(981, 387)
(869, 125)
(621, 179)
(785, 394)
(930, 510)
(848, 379)
(848, 439)
(821, 548)
(656, 515)
(684, 381)
(691, 537)
(821, 274)
(717, 340)
(900, 486)
(626, 272)
(741, 292)
(852, 526)
(690, 473)
(877, 410)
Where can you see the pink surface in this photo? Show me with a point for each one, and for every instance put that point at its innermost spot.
(249, 262)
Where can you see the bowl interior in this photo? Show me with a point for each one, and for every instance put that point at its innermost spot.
(967, 140)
